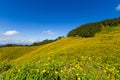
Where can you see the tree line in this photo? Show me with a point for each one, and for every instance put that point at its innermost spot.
(90, 29)
(46, 41)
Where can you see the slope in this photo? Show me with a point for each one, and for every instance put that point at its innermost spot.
(104, 43)
(11, 53)
(72, 58)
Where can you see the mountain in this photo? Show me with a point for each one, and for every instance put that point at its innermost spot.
(70, 58)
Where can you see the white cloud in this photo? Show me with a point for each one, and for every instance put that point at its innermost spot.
(49, 32)
(14, 41)
(118, 7)
(11, 33)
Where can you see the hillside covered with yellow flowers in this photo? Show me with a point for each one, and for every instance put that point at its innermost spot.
(71, 58)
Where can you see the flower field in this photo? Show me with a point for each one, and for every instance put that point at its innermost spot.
(96, 58)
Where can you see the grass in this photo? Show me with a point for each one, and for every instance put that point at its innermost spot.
(73, 58)
(12, 53)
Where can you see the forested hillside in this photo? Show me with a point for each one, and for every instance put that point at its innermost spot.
(90, 29)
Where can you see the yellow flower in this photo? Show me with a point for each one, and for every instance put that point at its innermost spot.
(77, 74)
(48, 58)
(61, 70)
(117, 71)
(106, 67)
(104, 71)
(73, 68)
(84, 74)
(78, 78)
(56, 72)
(89, 58)
(43, 71)
(76, 66)
(48, 71)
(82, 57)
(46, 64)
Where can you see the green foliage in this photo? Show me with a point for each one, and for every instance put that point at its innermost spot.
(111, 22)
(4, 66)
(9, 45)
(46, 41)
(42, 43)
(83, 68)
(90, 29)
(12, 45)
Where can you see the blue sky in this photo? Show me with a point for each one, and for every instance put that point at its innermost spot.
(35, 20)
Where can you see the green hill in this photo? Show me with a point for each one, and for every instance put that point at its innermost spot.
(72, 58)
(90, 29)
